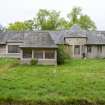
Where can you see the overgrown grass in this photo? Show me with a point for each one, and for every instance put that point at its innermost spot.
(75, 80)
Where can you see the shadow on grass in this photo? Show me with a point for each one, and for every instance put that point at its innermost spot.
(50, 102)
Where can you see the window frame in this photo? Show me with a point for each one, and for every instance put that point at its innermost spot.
(40, 54)
(89, 49)
(25, 56)
(10, 49)
(49, 56)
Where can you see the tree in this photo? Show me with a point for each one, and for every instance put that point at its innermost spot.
(86, 23)
(63, 24)
(49, 20)
(21, 26)
(40, 20)
(76, 17)
(29, 24)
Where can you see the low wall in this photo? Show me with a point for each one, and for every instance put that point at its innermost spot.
(41, 61)
(11, 55)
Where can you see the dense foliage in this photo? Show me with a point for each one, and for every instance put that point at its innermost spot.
(33, 61)
(21, 26)
(62, 56)
(52, 20)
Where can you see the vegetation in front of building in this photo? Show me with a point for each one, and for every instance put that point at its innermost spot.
(33, 61)
(77, 82)
(62, 56)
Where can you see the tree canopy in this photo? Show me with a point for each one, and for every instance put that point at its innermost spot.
(21, 26)
(86, 23)
(51, 20)
(77, 17)
(74, 15)
(48, 20)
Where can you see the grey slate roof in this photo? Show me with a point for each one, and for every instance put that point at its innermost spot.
(49, 39)
(93, 37)
(11, 37)
(28, 39)
(75, 31)
(57, 36)
(38, 40)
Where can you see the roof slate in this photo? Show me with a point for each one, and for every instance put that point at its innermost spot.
(38, 40)
(50, 39)
(29, 39)
(96, 37)
(93, 37)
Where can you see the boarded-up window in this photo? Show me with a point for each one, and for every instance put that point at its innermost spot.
(27, 53)
(49, 54)
(38, 54)
(77, 49)
(13, 49)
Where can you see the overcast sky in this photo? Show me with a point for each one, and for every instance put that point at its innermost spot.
(19, 10)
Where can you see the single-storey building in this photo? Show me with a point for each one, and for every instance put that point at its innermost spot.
(42, 45)
(29, 45)
(81, 43)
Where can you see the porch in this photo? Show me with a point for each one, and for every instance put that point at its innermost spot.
(43, 56)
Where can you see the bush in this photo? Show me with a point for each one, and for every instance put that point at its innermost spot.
(61, 55)
(33, 61)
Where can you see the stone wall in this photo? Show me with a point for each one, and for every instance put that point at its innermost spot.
(75, 41)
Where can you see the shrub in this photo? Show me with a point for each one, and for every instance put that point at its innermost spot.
(33, 61)
(61, 55)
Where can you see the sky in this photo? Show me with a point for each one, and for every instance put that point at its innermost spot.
(20, 10)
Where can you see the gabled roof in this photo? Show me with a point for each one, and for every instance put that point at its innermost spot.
(57, 36)
(74, 32)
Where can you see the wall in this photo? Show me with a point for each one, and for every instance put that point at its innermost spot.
(4, 51)
(75, 41)
(95, 54)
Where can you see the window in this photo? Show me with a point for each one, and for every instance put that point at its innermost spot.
(50, 54)
(89, 49)
(13, 49)
(2, 48)
(99, 48)
(77, 49)
(27, 53)
(38, 54)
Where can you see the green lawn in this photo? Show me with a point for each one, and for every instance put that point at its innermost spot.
(75, 80)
